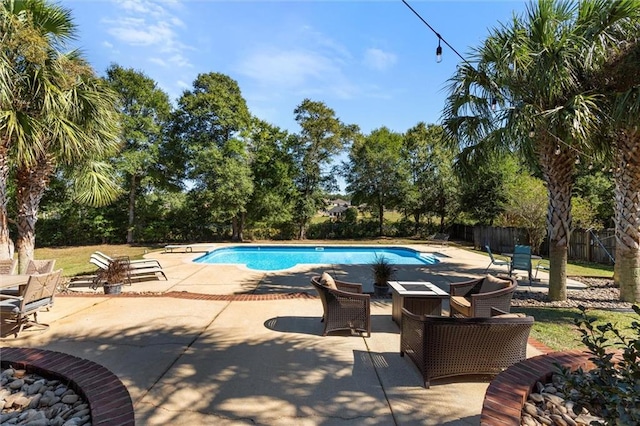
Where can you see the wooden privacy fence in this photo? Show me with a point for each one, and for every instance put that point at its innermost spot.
(586, 245)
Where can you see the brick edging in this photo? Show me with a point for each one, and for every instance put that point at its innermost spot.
(109, 400)
(508, 392)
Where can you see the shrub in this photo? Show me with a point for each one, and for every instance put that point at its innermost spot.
(611, 389)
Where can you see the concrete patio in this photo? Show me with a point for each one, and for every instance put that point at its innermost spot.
(203, 357)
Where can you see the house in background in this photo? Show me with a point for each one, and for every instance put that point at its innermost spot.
(337, 211)
(336, 208)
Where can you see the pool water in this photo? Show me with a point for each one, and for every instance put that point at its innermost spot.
(275, 258)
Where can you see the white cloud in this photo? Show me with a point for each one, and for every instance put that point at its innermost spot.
(183, 84)
(378, 59)
(301, 71)
(159, 61)
(145, 23)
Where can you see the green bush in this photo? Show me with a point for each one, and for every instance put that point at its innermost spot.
(612, 388)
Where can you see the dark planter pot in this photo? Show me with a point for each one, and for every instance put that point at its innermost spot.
(112, 288)
(380, 290)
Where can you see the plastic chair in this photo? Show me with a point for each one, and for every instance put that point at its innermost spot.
(521, 260)
(495, 261)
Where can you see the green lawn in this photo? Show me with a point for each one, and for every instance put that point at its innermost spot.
(555, 327)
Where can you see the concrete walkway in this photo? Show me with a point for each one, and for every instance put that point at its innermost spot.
(259, 359)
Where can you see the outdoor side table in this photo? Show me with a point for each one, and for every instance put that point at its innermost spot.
(418, 297)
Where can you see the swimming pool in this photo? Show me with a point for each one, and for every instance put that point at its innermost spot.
(275, 258)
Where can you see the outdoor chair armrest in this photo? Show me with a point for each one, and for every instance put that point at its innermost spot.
(8, 296)
(350, 295)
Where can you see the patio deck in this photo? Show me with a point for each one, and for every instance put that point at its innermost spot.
(244, 347)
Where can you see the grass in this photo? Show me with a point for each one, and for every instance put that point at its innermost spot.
(554, 327)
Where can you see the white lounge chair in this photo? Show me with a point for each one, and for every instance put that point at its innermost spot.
(139, 272)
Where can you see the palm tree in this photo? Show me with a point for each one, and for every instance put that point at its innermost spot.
(54, 111)
(533, 69)
(619, 78)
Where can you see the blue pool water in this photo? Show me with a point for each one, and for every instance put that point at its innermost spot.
(275, 258)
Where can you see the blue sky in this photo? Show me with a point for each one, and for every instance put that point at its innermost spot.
(372, 62)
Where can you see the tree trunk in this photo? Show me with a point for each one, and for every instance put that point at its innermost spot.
(627, 215)
(381, 219)
(6, 245)
(31, 182)
(237, 225)
(132, 207)
(558, 272)
(557, 165)
(416, 218)
(302, 231)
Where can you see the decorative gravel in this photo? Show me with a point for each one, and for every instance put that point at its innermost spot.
(601, 293)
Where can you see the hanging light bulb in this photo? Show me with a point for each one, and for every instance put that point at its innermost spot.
(590, 166)
(439, 52)
(577, 160)
(557, 149)
(532, 132)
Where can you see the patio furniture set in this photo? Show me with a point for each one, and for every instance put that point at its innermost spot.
(479, 337)
(23, 296)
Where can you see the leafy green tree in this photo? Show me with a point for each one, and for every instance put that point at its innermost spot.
(322, 136)
(207, 126)
(375, 174)
(432, 187)
(533, 71)
(144, 110)
(484, 185)
(594, 193)
(55, 112)
(526, 207)
(272, 170)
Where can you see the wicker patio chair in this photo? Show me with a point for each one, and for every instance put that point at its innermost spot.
(38, 295)
(345, 307)
(444, 347)
(475, 298)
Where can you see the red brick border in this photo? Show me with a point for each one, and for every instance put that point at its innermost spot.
(108, 399)
(508, 392)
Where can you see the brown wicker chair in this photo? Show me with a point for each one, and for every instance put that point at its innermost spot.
(345, 308)
(445, 347)
(475, 298)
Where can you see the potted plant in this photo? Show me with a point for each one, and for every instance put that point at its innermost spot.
(113, 276)
(383, 271)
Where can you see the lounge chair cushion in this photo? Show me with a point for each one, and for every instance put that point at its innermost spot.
(491, 283)
(461, 304)
(327, 280)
